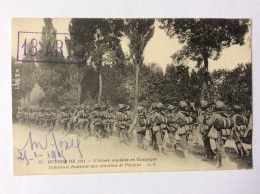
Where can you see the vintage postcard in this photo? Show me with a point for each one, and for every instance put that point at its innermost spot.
(131, 95)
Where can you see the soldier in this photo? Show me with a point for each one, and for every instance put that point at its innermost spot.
(20, 115)
(74, 119)
(182, 119)
(216, 134)
(81, 118)
(111, 121)
(204, 114)
(40, 117)
(95, 117)
(33, 116)
(158, 125)
(171, 127)
(122, 127)
(26, 115)
(150, 126)
(58, 119)
(129, 114)
(44, 117)
(238, 130)
(53, 117)
(105, 121)
(30, 116)
(88, 131)
(141, 126)
(193, 112)
(64, 119)
(48, 118)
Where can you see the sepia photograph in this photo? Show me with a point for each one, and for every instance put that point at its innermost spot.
(119, 95)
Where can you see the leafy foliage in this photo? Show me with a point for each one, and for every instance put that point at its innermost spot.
(204, 39)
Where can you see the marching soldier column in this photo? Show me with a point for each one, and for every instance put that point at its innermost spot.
(210, 119)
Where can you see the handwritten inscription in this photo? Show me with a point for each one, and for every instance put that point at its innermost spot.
(50, 148)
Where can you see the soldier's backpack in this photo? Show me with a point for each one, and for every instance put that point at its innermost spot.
(81, 114)
(241, 120)
(122, 119)
(223, 122)
(159, 119)
(142, 120)
(96, 114)
(186, 119)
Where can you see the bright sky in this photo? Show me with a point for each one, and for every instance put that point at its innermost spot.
(158, 50)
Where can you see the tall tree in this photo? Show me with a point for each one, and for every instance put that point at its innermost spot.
(54, 75)
(93, 42)
(139, 32)
(205, 39)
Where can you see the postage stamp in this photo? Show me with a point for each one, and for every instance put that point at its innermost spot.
(131, 95)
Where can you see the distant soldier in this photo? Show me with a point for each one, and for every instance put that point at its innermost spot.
(26, 116)
(53, 116)
(105, 121)
(74, 119)
(111, 121)
(40, 117)
(30, 116)
(81, 118)
(48, 117)
(87, 122)
(33, 116)
(64, 119)
(96, 123)
(58, 119)
(19, 115)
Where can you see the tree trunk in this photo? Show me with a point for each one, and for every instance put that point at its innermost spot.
(136, 86)
(100, 88)
(135, 115)
(205, 77)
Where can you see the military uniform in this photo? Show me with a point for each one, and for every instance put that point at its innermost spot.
(81, 118)
(64, 119)
(58, 120)
(141, 126)
(122, 126)
(150, 126)
(40, 117)
(53, 115)
(158, 126)
(204, 114)
(238, 131)
(171, 126)
(105, 121)
(20, 116)
(96, 121)
(74, 119)
(111, 121)
(87, 122)
(183, 126)
(214, 134)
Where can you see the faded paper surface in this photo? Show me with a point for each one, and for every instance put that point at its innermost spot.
(52, 76)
